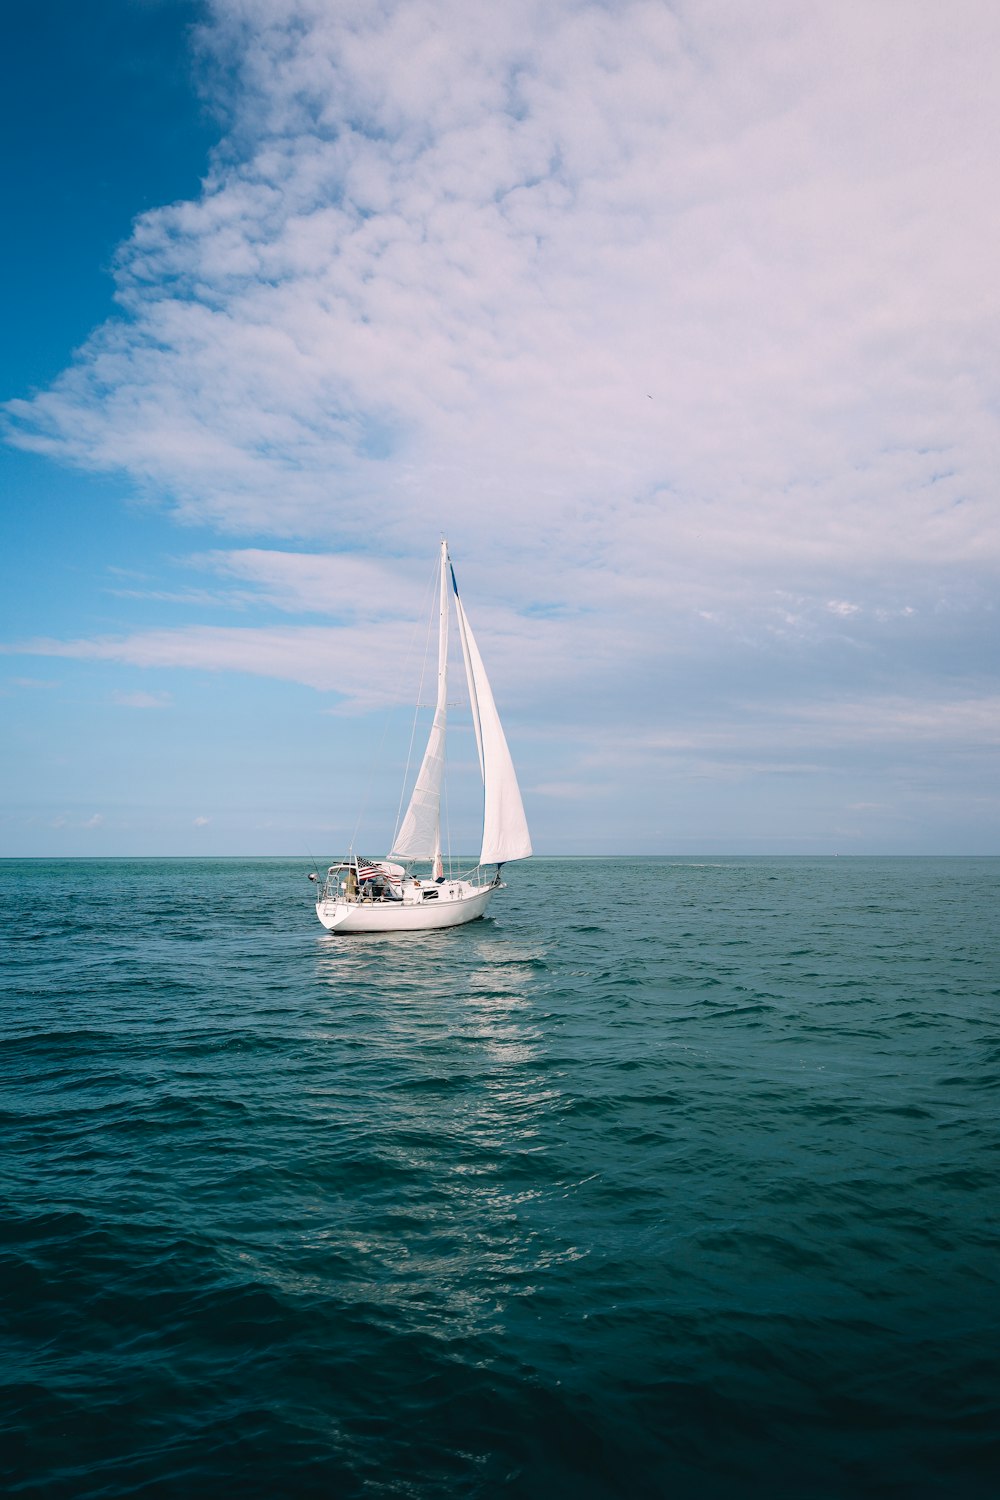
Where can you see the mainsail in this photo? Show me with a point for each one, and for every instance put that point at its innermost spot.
(505, 829)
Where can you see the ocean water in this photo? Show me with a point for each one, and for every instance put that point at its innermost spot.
(674, 1177)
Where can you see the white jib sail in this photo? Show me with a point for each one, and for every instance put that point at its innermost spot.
(505, 828)
(419, 835)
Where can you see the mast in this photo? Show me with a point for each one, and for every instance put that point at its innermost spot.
(441, 707)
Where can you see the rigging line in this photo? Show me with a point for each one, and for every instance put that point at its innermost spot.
(420, 694)
(317, 866)
(376, 760)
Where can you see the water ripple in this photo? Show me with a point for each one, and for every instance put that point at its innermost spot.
(561, 1202)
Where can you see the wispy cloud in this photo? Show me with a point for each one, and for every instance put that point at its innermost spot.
(368, 664)
(832, 724)
(195, 597)
(345, 585)
(142, 700)
(570, 791)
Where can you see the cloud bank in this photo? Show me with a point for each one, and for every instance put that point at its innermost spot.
(719, 275)
(680, 320)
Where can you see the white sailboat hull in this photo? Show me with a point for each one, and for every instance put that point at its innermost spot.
(454, 904)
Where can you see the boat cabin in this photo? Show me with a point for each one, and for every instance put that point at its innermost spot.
(358, 881)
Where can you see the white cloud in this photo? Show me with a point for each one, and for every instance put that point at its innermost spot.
(331, 584)
(201, 822)
(371, 663)
(63, 821)
(141, 700)
(445, 259)
(570, 791)
(758, 737)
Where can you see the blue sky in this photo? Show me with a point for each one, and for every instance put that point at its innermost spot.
(680, 320)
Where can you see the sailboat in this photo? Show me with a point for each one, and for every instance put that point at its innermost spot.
(389, 895)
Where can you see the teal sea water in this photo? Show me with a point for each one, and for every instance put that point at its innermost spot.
(674, 1177)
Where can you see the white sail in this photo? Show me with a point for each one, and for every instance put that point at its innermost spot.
(419, 835)
(505, 828)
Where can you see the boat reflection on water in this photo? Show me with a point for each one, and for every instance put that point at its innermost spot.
(441, 1080)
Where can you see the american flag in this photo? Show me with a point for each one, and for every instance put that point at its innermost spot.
(368, 869)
